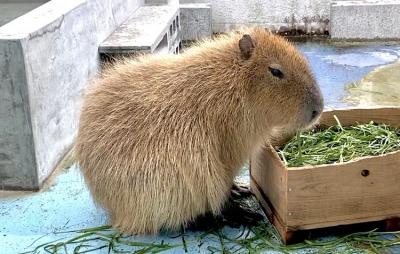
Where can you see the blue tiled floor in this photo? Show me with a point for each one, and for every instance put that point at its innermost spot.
(31, 219)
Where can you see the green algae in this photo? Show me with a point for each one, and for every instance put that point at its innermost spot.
(381, 87)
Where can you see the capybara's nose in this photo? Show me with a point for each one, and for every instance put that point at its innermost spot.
(317, 103)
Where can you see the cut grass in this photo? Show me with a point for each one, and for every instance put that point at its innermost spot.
(249, 240)
(91, 240)
(262, 238)
(256, 239)
(338, 144)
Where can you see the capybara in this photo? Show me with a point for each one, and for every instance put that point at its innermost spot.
(161, 137)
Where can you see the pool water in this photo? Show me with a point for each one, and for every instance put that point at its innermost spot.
(337, 66)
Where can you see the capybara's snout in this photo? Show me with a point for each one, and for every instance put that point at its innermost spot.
(314, 104)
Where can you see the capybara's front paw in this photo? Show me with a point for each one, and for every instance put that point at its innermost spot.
(236, 215)
(240, 191)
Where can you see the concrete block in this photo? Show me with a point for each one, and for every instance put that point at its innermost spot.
(155, 2)
(196, 21)
(160, 2)
(365, 19)
(194, 1)
(277, 15)
(47, 57)
(152, 29)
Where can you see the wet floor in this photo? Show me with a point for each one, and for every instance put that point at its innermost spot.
(10, 9)
(29, 219)
(337, 66)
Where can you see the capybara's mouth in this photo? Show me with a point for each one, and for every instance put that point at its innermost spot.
(311, 125)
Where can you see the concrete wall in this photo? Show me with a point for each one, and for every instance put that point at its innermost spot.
(17, 156)
(196, 20)
(194, 1)
(160, 2)
(46, 58)
(280, 15)
(155, 2)
(365, 19)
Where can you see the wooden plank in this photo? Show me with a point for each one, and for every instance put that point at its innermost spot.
(269, 211)
(339, 194)
(388, 115)
(291, 235)
(271, 175)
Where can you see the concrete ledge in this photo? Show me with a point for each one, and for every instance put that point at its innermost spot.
(47, 57)
(196, 21)
(310, 17)
(11, 9)
(152, 29)
(365, 19)
(155, 2)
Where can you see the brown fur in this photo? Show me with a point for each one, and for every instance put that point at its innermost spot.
(161, 138)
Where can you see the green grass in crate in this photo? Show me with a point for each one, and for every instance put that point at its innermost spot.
(339, 144)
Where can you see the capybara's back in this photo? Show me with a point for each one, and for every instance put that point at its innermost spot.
(161, 138)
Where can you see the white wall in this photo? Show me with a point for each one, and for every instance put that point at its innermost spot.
(46, 59)
(279, 15)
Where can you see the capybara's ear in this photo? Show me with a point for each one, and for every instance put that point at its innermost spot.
(246, 46)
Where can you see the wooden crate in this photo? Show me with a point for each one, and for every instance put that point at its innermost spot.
(366, 189)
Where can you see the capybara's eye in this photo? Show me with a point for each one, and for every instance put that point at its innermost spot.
(276, 72)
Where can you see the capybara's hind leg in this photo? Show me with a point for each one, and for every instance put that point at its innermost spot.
(129, 225)
(205, 222)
